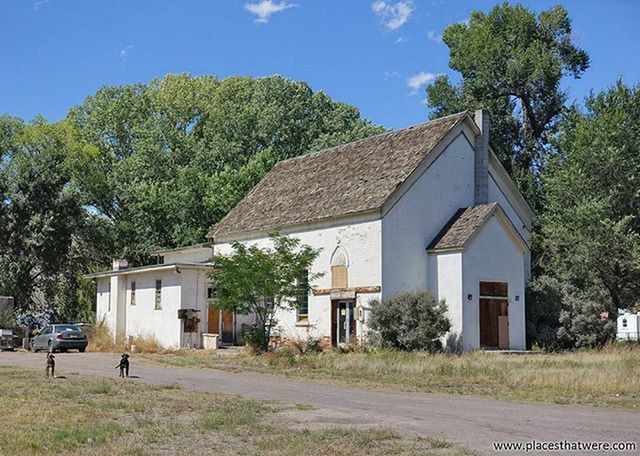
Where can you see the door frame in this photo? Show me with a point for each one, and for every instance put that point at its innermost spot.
(350, 309)
(494, 299)
(220, 323)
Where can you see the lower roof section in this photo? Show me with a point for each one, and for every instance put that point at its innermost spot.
(151, 268)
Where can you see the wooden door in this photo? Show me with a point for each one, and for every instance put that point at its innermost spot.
(213, 326)
(226, 335)
(489, 323)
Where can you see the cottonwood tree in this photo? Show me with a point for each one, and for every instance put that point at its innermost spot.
(41, 213)
(512, 62)
(173, 156)
(261, 281)
(591, 229)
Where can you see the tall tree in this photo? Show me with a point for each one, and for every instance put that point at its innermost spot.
(511, 61)
(173, 156)
(591, 228)
(42, 215)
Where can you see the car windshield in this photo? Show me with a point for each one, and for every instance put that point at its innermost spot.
(63, 328)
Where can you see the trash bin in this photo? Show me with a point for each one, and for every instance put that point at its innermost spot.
(210, 341)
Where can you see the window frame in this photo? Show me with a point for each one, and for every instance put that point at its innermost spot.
(302, 298)
(158, 295)
(132, 293)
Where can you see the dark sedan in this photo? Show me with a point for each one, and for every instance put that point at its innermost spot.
(60, 337)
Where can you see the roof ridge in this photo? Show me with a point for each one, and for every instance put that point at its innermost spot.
(328, 149)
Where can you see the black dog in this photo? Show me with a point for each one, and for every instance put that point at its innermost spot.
(124, 365)
(51, 365)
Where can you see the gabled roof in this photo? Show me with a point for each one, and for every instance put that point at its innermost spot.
(349, 179)
(466, 222)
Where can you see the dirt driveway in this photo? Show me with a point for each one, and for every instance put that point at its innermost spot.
(471, 422)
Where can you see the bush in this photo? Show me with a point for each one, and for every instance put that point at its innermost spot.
(255, 337)
(560, 316)
(409, 321)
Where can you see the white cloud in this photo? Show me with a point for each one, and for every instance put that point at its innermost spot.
(433, 37)
(125, 50)
(265, 8)
(39, 4)
(401, 39)
(419, 80)
(393, 15)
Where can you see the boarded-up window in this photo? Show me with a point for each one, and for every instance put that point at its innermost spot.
(494, 289)
(339, 265)
(339, 277)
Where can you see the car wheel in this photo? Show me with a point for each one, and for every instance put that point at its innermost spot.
(81, 350)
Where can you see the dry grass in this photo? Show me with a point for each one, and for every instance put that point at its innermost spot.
(607, 377)
(117, 417)
(101, 340)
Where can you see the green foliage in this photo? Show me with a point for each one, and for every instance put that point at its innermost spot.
(169, 159)
(560, 316)
(45, 229)
(409, 321)
(590, 229)
(511, 62)
(260, 281)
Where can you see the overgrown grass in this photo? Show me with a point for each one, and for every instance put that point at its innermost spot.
(101, 340)
(606, 377)
(117, 417)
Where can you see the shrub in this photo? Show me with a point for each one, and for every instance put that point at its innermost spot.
(409, 321)
(560, 316)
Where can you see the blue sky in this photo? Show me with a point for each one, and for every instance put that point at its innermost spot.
(375, 55)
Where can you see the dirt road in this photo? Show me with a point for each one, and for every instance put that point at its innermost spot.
(471, 422)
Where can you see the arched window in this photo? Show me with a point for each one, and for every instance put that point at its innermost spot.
(339, 265)
(624, 322)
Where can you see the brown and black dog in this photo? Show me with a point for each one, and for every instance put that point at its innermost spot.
(51, 365)
(124, 365)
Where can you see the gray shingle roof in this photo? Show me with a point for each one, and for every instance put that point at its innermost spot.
(461, 227)
(348, 179)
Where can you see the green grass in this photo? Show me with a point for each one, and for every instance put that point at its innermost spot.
(83, 415)
(609, 377)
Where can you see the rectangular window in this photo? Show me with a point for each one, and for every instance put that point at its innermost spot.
(133, 293)
(302, 300)
(158, 294)
(209, 292)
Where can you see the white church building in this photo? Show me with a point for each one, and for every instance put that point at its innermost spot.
(428, 207)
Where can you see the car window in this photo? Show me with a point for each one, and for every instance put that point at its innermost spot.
(47, 330)
(63, 328)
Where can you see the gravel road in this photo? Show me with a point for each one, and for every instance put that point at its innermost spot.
(470, 422)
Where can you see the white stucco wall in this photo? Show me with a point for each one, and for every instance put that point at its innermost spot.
(497, 194)
(103, 297)
(362, 242)
(494, 257)
(445, 283)
(143, 319)
(409, 227)
(198, 255)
